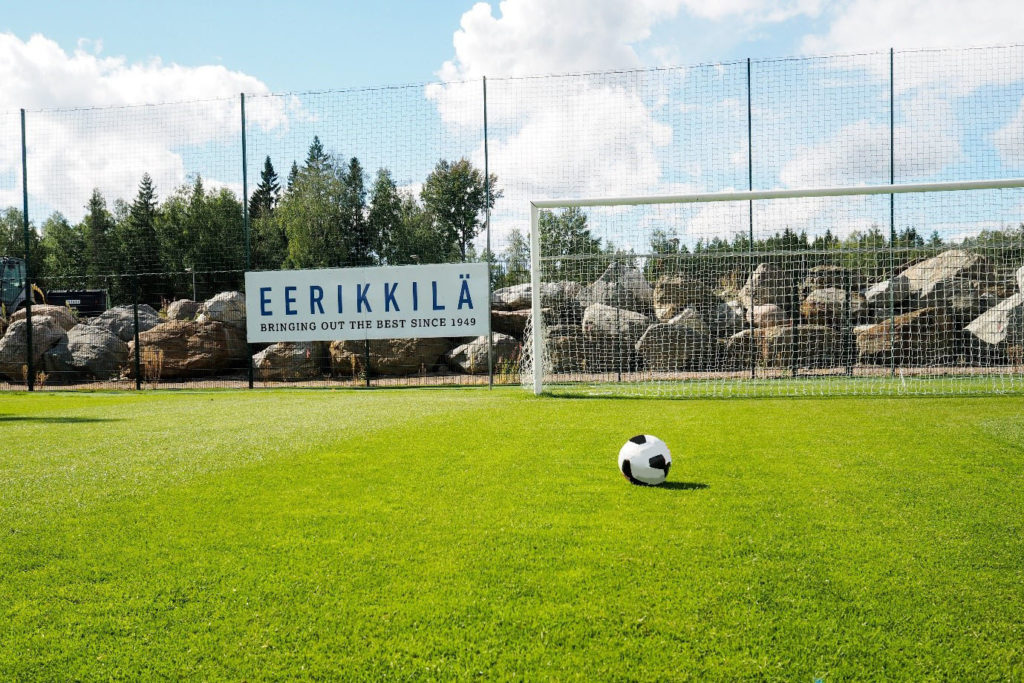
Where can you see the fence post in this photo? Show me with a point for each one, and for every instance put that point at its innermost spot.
(750, 226)
(30, 370)
(138, 347)
(892, 216)
(245, 222)
(490, 256)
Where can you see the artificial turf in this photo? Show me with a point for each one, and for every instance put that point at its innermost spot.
(453, 534)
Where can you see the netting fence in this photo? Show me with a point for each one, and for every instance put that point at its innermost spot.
(140, 221)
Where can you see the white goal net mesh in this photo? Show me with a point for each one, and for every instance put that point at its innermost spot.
(859, 294)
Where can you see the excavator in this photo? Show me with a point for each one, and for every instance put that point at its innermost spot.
(14, 295)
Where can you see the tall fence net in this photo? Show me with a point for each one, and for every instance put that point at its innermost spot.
(144, 219)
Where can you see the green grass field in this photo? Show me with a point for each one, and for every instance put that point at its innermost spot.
(454, 534)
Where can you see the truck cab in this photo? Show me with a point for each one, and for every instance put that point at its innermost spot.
(12, 283)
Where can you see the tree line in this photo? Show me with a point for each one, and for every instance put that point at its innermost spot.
(323, 216)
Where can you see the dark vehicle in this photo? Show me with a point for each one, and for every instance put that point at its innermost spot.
(12, 292)
(85, 302)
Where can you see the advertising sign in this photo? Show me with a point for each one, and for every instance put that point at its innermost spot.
(386, 302)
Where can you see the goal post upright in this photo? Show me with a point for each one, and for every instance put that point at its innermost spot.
(537, 342)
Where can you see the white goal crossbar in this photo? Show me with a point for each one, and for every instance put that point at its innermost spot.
(702, 197)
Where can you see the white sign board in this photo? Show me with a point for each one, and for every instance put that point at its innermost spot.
(387, 302)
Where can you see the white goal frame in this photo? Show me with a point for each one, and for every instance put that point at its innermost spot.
(731, 196)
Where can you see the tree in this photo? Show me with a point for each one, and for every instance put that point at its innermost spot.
(516, 258)
(312, 216)
(293, 175)
(384, 219)
(137, 232)
(456, 198)
(362, 244)
(12, 240)
(97, 228)
(63, 251)
(267, 194)
(566, 234)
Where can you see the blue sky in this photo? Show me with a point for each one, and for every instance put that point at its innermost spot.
(816, 122)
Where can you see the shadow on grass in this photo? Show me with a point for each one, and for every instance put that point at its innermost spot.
(682, 485)
(54, 420)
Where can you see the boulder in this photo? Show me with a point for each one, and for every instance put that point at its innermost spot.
(187, 348)
(512, 323)
(678, 345)
(518, 297)
(63, 316)
(674, 293)
(1020, 279)
(1001, 324)
(183, 309)
(787, 346)
(87, 352)
(566, 349)
(923, 337)
(14, 346)
(120, 320)
(829, 277)
(471, 357)
(929, 278)
(728, 317)
(290, 361)
(830, 307)
(226, 307)
(898, 288)
(768, 284)
(621, 286)
(767, 315)
(611, 335)
(393, 357)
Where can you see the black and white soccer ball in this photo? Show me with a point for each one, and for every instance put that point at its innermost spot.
(645, 460)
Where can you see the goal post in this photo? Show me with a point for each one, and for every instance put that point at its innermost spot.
(972, 265)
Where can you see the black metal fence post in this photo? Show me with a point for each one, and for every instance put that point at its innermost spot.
(30, 369)
(138, 346)
(245, 224)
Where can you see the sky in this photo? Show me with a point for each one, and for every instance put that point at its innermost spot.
(958, 114)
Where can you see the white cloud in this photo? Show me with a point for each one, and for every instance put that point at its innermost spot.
(869, 25)
(753, 11)
(111, 138)
(1009, 140)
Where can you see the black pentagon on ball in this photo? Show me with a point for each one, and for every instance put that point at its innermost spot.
(639, 439)
(658, 463)
(627, 470)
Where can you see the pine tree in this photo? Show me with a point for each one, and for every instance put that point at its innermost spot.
(384, 220)
(268, 193)
(140, 234)
(361, 243)
(98, 232)
(293, 175)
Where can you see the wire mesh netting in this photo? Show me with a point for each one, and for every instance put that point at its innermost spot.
(144, 220)
(679, 308)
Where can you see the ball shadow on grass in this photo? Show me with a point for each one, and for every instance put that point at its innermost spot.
(682, 485)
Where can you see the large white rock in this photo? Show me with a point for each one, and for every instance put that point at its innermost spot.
(63, 316)
(1003, 323)
(471, 357)
(120, 320)
(226, 307)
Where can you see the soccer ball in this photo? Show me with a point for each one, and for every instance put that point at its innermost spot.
(645, 460)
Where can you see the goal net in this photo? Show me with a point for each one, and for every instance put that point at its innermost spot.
(914, 288)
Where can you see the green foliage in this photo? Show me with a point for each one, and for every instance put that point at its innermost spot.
(384, 220)
(362, 243)
(63, 247)
(267, 194)
(456, 198)
(12, 241)
(564, 236)
(515, 266)
(242, 543)
(98, 228)
(312, 214)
